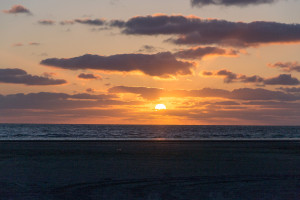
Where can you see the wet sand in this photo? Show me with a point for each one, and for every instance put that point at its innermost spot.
(149, 170)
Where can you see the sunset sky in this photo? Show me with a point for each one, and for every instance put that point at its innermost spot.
(223, 62)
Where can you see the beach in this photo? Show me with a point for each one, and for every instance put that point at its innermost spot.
(150, 169)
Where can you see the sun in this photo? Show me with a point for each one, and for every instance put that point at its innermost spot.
(160, 107)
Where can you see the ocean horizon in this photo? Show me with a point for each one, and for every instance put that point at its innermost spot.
(146, 132)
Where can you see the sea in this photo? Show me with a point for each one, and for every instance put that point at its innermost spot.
(145, 132)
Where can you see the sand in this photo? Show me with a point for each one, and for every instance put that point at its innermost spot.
(149, 170)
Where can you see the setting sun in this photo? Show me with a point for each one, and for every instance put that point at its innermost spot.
(160, 107)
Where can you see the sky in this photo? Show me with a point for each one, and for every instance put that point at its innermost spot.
(210, 62)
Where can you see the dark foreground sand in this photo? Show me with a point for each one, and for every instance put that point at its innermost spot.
(150, 170)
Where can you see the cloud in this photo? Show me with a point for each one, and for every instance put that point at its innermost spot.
(89, 76)
(94, 22)
(282, 79)
(19, 76)
(192, 53)
(207, 73)
(292, 89)
(46, 22)
(87, 21)
(199, 52)
(16, 9)
(287, 66)
(162, 64)
(201, 3)
(237, 94)
(230, 77)
(193, 30)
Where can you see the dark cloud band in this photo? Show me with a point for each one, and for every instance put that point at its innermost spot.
(194, 30)
(161, 64)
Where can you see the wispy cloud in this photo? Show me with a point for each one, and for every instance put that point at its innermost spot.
(95, 22)
(87, 21)
(148, 49)
(89, 76)
(19, 44)
(46, 22)
(200, 52)
(34, 43)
